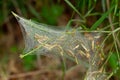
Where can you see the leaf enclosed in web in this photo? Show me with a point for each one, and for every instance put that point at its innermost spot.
(41, 39)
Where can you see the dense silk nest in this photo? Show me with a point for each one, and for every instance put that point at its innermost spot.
(84, 47)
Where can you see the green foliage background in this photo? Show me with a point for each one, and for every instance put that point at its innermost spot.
(91, 15)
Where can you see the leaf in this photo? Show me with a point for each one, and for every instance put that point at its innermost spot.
(70, 4)
(99, 21)
(113, 61)
(51, 14)
(28, 62)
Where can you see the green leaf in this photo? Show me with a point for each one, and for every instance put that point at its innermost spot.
(98, 22)
(51, 14)
(113, 61)
(73, 7)
(28, 62)
(34, 12)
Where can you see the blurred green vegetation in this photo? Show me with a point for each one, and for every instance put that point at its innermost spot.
(88, 14)
(29, 62)
(43, 11)
(51, 13)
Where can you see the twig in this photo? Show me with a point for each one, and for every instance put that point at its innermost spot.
(33, 73)
(38, 60)
(112, 27)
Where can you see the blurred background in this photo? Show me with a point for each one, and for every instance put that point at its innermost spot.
(51, 12)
